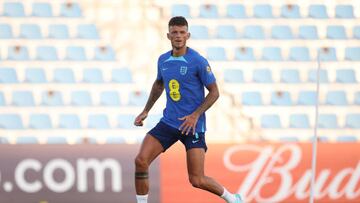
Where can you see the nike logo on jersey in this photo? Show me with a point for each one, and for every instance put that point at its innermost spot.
(195, 141)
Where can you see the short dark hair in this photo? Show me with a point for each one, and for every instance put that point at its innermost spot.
(178, 20)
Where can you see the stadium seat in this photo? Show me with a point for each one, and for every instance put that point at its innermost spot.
(2, 99)
(115, 139)
(14, 9)
(299, 121)
(152, 120)
(208, 11)
(327, 54)
(356, 32)
(64, 75)
(137, 98)
(290, 76)
(262, 76)
(3, 140)
(6, 31)
(292, 138)
(35, 75)
(336, 32)
(323, 78)
(58, 31)
(87, 31)
(22, 98)
(126, 121)
(10, 121)
(346, 138)
(308, 32)
(327, 121)
(270, 121)
(244, 54)
(281, 32)
(271, 54)
(40, 121)
(41, 10)
(109, 98)
(81, 98)
(18, 53)
(180, 10)
(299, 54)
(216, 53)
(344, 11)
(52, 98)
(235, 11)
(75, 53)
(27, 140)
(121, 75)
(199, 32)
(254, 32)
(280, 98)
(226, 32)
(263, 11)
(233, 75)
(70, 9)
(30, 31)
(307, 98)
(46, 53)
(346, 76)
(290, 11)
(352, 53)
(69, 121)
(251, 99)
(318, 11)
(56, 140)
(353, 121)
(357, 98)
(104, 53)
(336, 98)
(8, 75)
(98, 121)
(93, 75)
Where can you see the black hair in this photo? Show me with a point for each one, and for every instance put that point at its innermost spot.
(178, 20)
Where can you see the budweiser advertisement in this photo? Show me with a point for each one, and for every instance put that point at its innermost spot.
(267, 172)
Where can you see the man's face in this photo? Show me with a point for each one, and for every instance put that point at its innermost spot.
(178, 36)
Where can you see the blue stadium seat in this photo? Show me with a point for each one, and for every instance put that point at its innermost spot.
(52, 98)
(14, 9)
(2, 99)
(30, 31)
(357, 98)
(109, 98)
(352, 53)
(121, 75)
(254, 32)
(208, 11)
(336, 98)
(87, 31)
(263, 11)
(216, 53)
(318, 11)
(346, 138)
(5, 31)
(126, 121)
(104, 53)
(4, 140)
(290, 11)
(46, 53)
(226, 32)
(70, 9)
(18, 53)
(115, 139)
(35, 75)
(69, 121)
(291, 138)
(137, 98)
(22, 98)
(281, 32)
(98, 121)
(327, 121)
(307, 98)
(8, 75)
(152, 120)
(323, 78)
(199, 32)
(353, 121)
(41, 10)
(10, 121)
(356, 32)
(58, 31)
(75, 53)
(290, 76)
(244, 54)
(270, 121)
(299, 54)
(180, 10)
(56, 140)
(280, 98)
(235, 11)
(336, 32)
(93, 75)
(233, 75)
(271, 54)
(328, 54)
(251, 98)
(64, 75)
(40, 121)
(81, 98)
(308, 32)
(344, 11)
(346, 76)
(27, 140)
(262, 76)
(299, 121)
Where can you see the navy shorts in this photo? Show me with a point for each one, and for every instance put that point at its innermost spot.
(168, 135)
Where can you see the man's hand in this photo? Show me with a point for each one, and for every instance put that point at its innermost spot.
(140, 118)
(189, 123)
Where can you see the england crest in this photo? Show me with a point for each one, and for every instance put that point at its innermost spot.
(183, 70)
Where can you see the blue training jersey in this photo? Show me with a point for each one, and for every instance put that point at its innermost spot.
(184, 78)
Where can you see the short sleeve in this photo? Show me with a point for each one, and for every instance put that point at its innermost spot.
(159, 76)
(206, 75)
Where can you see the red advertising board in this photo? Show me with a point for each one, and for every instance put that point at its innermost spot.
(267, 172)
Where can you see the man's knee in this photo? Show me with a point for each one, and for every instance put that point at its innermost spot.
(141, 163)
(197, 181)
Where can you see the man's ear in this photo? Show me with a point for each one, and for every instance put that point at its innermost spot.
(188, 35)
(168, 35)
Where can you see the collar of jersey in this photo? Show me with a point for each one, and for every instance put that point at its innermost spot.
(176, 58)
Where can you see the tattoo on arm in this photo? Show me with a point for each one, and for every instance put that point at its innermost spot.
(156, 91)
(209, 100)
